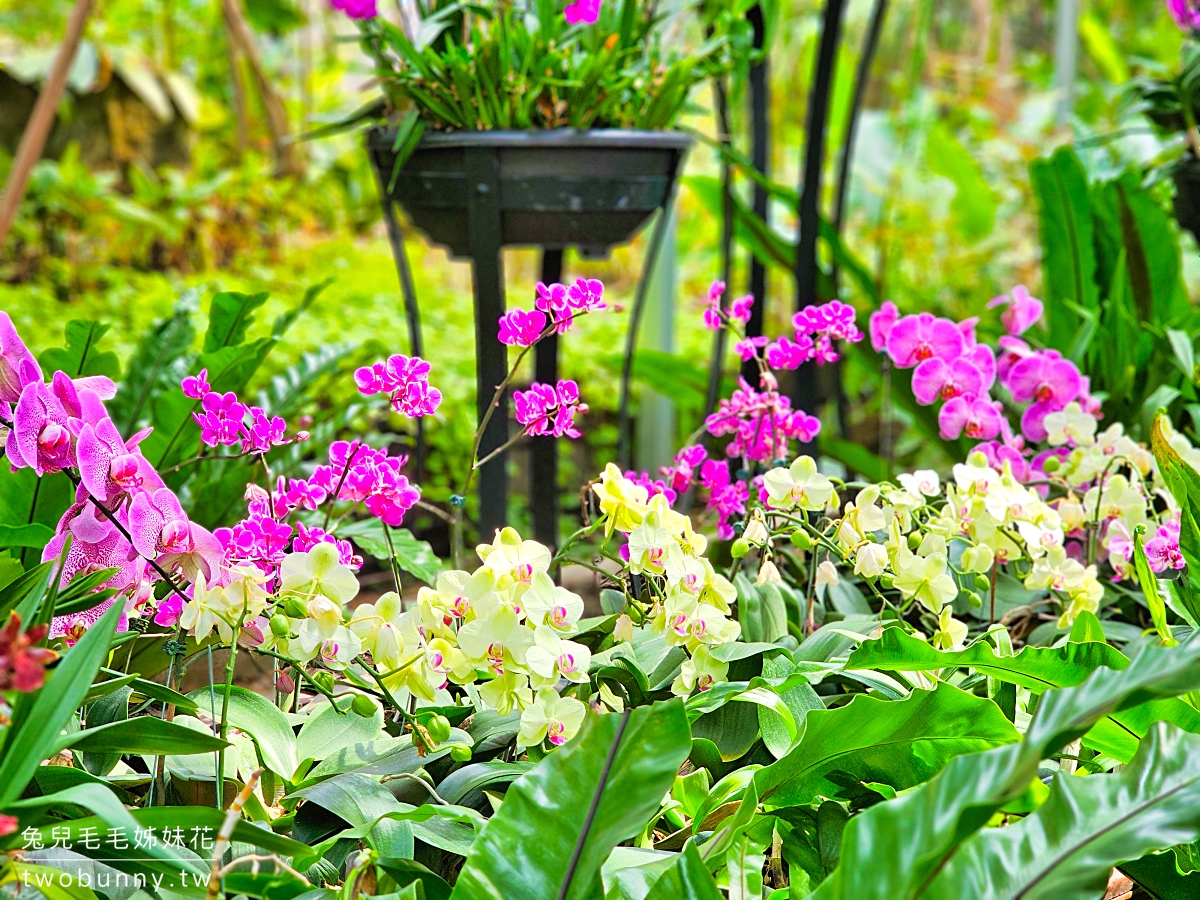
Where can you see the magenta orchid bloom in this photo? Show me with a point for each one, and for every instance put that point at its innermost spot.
(194, 387)
(881, 323)
(935, 379)
(585, 11)
(1022, 310)
(18, 367)
(1044, 377)
(356, 9)
(914, 339)
(740, 309)
(405, 379)
(976, 417)
(983, 359)
(521, 329)
(786, 354)
(550, 409)
(169, 611)
(1186, 14)
(1162, 550)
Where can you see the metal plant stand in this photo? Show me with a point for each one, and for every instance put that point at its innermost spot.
(476, 193)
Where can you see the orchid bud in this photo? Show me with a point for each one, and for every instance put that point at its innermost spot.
(460, 753)
(740, 548)
(284, 683)
(295, 608)
(363, 705)
(324, 681)
(801, 540)
(623, 629)
(280, 627)
(1050, 465)
(982, 582)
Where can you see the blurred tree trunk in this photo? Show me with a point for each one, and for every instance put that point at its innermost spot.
(41, 120)
(287, 158)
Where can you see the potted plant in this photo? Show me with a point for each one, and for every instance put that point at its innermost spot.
(572, 109)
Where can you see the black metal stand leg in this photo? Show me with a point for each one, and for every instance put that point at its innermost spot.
(412, 314)
(806, 394)
(491, 359)
(543, 453)
(760, 152)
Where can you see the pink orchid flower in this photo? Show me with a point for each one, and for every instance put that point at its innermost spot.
(18, 367)
(585, 11)
(1022, 310)
(915, 339)
(976, 417)
(881, 323)
(1186, 14)
(107, 467)
(935, 379)
(161, 531)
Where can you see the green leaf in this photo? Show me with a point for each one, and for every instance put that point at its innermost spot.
(560, 821)
(413, 556)
(263, 721)
(152, 365)
(331, 729)
(229, 315)
(81, 356)
(1184, 484)
(112, 707)
(1066, 849)
(893, 850)
(143, 734)
(973, 208)
(899, 743)
(154, 691)
(1086, 628)
(34, 739)
(687, 878)
(1149, 582)
(1068, 252)
(32, 584)
(32, 534)
(1037, 669)
(387, 756)
(760, 610)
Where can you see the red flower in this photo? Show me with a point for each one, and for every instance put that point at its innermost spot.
(8, 824)
(22, 663)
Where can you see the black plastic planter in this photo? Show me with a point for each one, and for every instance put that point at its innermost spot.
(558, 189)
(478, 192)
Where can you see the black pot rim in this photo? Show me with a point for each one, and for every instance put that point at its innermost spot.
(593, 138)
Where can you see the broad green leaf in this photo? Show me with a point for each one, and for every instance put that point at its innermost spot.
(360, 801)
(1037, 669)
(894, 742)
(95, 798)
(974, 205)
(52, 707)
(760, 610)
(82, 355)
(560, 821)
(894, 849)
(1068, 252)
(386, 756)
(687, 878)
(329, 730)
(150, 368)
(413, 556)
(111, 707)
(143, 734)
(477, 776)
(229, 315)
(1066, 849)
(263, 721)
